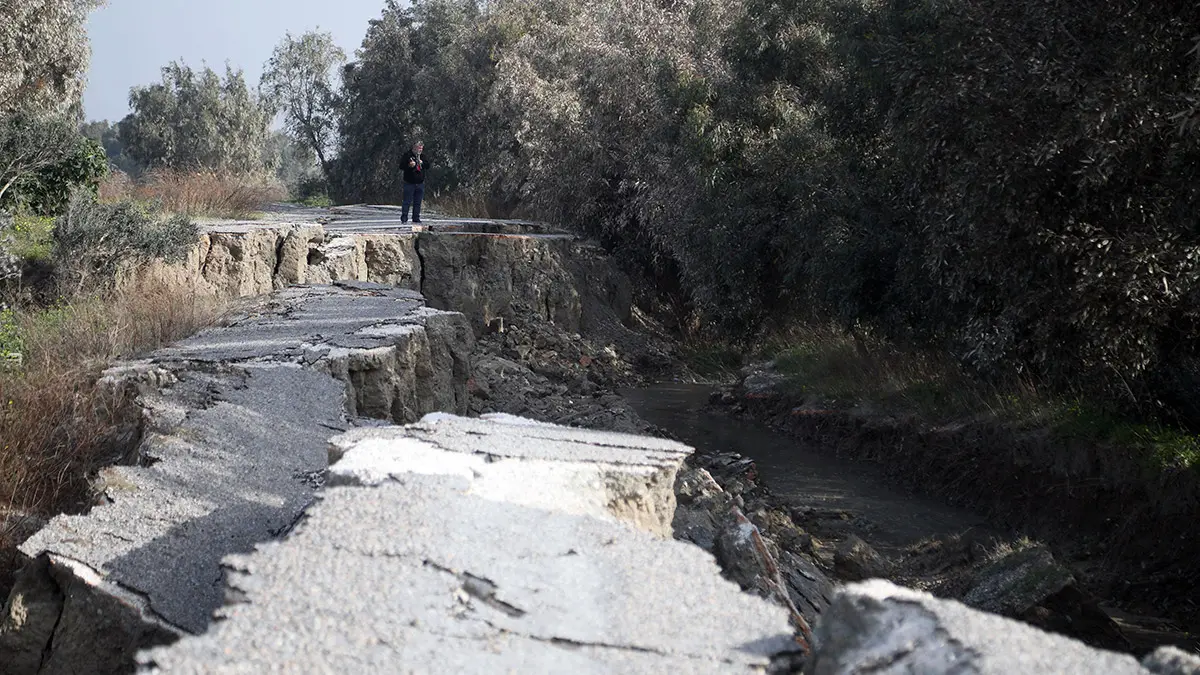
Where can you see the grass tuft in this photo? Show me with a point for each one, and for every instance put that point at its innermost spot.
(832, 366)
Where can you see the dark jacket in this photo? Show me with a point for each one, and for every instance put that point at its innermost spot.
(414, 174)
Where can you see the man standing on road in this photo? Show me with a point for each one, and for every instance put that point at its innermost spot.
(415, 165)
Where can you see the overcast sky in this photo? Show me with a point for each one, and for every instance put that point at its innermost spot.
(133, 39)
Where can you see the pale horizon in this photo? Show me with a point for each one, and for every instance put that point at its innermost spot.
(133, 39)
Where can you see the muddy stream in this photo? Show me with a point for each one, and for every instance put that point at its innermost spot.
(854, 494)
(805, 478)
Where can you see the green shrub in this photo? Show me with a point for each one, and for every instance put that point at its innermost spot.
(94, 243)
(10, 334)
(321, 201)
(43, 160)
(47, 192)
(32, 237)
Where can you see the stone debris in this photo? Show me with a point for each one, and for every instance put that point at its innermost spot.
(1017, 582)
(855, 560)
(877, 627)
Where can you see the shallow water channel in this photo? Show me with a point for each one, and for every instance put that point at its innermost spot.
(802, 476)
(889, 518)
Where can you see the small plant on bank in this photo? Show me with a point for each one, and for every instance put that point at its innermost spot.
(321, 201)
(97, 243)
(32, 237)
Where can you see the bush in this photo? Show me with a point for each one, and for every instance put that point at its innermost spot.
(96, 243)
(48, 191)
(43, 159)
(196, 194)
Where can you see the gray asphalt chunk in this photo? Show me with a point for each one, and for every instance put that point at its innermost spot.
(232, 476)
(876, 622)
(331, 315)
(428, 576)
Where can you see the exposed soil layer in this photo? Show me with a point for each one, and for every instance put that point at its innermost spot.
(537, 370)
(1126, 529)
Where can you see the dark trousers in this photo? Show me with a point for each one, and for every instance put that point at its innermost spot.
(413, 193)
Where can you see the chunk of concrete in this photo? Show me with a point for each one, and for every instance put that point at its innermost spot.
(878, 627)
(419, 575)
(605, 475)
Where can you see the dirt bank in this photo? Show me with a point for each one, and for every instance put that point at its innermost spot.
(537, 370)
(1124, 531)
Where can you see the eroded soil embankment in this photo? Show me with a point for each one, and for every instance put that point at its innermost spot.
(1125, 528)
(1029, 486)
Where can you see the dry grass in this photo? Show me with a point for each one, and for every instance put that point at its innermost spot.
(56, 426)
(200, 194)
(832, 366)
(848, 367)
(460, 204)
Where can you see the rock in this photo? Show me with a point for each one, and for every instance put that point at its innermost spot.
(762, 384)
(1017, 582)
(748, 559)
(877, 627)
(701, 504)
(810, 588)
(30, 616)
(855, 560)
(1172, 661)
(697, 486)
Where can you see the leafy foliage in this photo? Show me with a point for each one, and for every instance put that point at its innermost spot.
(45, 52)
(197, 121)
(1015, 183)
(298, 81)
(29, 144)
(96, 242)
(42, 160)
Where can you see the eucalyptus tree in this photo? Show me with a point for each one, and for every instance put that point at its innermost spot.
(197, 120)
(45, 53)
(300, 81)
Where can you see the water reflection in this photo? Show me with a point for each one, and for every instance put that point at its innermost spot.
(805, 477)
